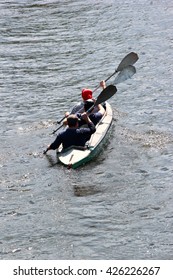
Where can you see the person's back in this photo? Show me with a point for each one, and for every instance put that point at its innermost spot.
(78, 108)
(73, 136)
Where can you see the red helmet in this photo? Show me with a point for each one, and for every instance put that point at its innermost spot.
(86, 94)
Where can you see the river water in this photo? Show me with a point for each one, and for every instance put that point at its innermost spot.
(120, 206)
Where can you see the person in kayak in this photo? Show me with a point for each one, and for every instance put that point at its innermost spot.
(86, 94)
(94, 115)
(73, 135)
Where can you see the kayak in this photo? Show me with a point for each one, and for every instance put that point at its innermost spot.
(75, 156)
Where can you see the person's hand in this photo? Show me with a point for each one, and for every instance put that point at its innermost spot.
(45, 151)
(103, 84)
(67, 114)
(65, 122)
(85, 117)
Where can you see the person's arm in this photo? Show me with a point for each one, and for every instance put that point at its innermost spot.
(54, 145)
(65, 122)
(101, 109)
(91, 126)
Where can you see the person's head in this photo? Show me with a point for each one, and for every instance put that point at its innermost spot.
(72, 120)
(87, 94)
(88, 104)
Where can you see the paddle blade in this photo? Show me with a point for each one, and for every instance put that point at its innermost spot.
(129, 59)
(107, 93)
(125, 74)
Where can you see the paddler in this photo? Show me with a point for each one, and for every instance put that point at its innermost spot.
(73, 135)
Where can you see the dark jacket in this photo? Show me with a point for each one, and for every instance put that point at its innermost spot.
(95, 118)
(73, 137)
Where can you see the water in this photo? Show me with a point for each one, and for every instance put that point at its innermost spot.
(120, 205)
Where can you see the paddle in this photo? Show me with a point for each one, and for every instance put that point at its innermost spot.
(124, 75)
(129, 59)
(106, 94)
(58, 128)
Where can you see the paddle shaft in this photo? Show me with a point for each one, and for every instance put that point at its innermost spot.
(129, 59)
(58, 127)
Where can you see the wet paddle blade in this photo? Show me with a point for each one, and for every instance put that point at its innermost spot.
(125, 74)
(129, 59)
(107, 93)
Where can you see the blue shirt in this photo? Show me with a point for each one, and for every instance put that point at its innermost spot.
(73, 137)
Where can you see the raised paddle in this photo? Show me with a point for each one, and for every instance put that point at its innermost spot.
(123, 75)
(129, 59)
(106, 94)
